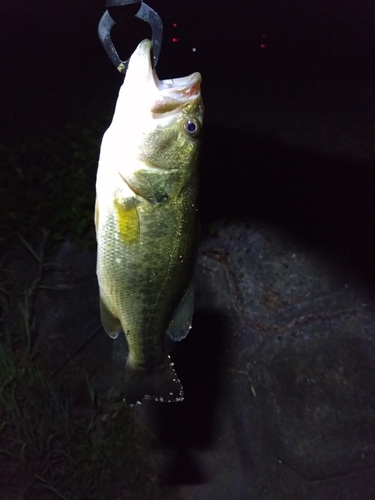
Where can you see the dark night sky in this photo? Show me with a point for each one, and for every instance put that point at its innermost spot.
(24, 23)
(46, 42)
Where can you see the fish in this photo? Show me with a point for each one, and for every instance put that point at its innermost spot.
(146, 222)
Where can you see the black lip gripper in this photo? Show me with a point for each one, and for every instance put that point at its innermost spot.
(145, 13)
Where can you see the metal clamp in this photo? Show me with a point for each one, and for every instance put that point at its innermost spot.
(145, 13)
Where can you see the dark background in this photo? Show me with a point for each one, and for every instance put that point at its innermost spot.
(52, 63)
(288, 89)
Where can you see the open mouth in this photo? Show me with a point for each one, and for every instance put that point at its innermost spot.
(171, 94)
(175, 93)
(184, 88)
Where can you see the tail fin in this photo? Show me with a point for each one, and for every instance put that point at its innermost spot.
(162, 384)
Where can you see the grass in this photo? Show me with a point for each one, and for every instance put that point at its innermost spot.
(49, 183)
(48, 449)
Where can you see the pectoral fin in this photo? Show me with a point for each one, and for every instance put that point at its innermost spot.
(110, 323)
(128, 221)
(180, 324)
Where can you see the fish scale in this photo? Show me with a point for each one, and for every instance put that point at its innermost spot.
(146, 222)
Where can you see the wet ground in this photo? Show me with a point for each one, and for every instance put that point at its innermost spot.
(279, 368)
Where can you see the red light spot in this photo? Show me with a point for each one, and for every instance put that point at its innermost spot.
(262, 45)
(175, 40)
(174, 25)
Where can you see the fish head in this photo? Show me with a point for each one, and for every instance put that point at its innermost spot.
(157, 122)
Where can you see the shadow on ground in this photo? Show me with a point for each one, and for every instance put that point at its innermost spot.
(192, 425)
(326, 201)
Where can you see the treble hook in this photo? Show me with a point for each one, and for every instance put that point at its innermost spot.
(145, 13)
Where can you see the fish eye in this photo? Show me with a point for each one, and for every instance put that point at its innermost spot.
(192, 127)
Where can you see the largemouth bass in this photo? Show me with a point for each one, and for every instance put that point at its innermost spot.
(146, 222)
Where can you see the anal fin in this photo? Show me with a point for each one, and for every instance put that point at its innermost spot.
(180, 323)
